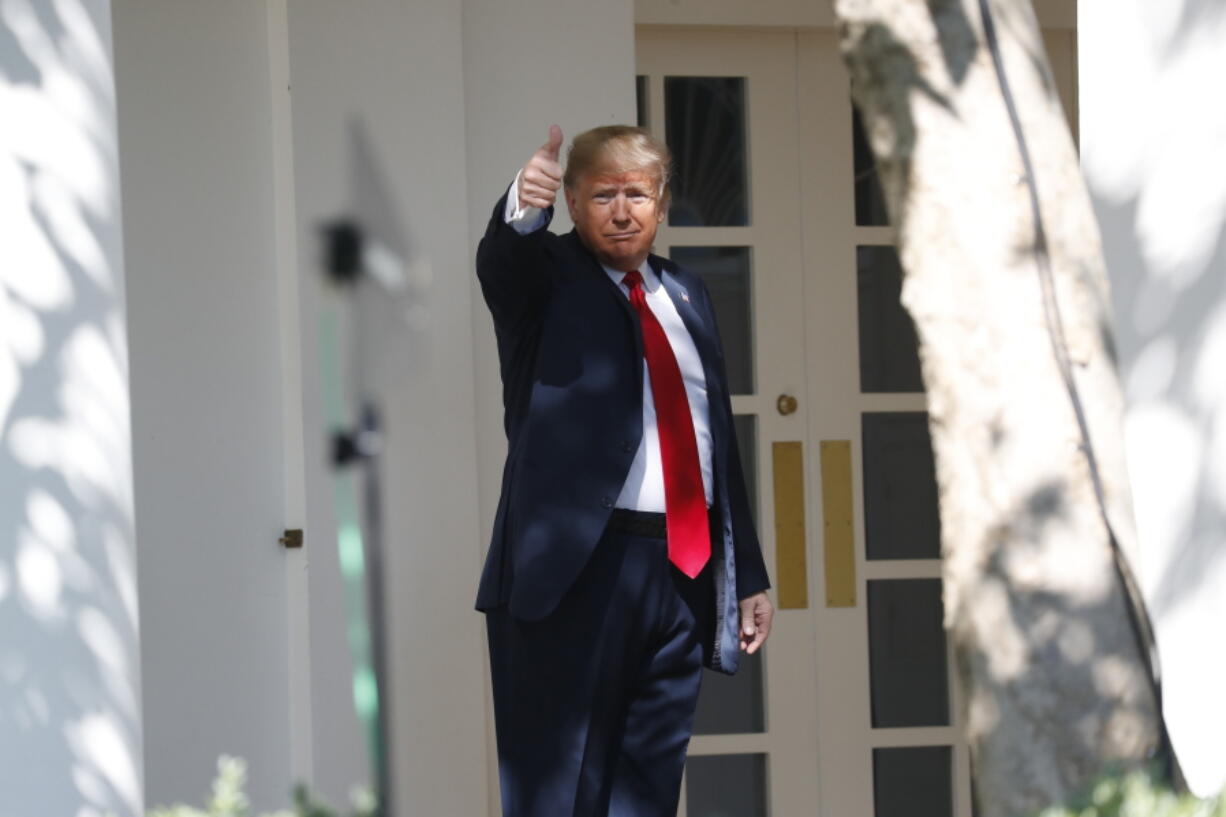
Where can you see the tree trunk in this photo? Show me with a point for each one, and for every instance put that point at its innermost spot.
(1054, 682)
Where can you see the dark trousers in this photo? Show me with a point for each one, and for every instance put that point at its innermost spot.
(594, 704)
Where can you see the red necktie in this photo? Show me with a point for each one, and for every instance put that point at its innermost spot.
(685, 503)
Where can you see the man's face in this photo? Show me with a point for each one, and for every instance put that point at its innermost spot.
(616, 214)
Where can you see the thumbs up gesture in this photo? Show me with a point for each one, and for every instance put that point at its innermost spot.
(541, 177)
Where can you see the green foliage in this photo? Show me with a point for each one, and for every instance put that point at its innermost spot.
(229, 800)
(306, 806)
(1138, 794)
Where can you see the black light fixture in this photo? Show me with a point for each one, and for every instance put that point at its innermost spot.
(343, 246)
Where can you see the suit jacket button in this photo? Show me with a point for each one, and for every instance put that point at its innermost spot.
(627, 446)
(606, 502)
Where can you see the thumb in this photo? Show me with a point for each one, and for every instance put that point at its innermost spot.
(747, 625)
(554, 144)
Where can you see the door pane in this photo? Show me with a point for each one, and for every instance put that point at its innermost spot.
(735, 704)
(914, 781)
(906, 648)
(705, 128)
(726, 272)
(889, 348)
(640, 100)
(726, 786)
(732, 704)
(870, 199)
(901, 514)
(746, 427)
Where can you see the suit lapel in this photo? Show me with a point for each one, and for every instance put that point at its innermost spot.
(700, 326)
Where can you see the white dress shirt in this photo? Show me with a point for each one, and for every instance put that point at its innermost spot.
(522, 218)
(644, 486)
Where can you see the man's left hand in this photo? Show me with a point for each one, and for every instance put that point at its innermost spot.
(757, 612)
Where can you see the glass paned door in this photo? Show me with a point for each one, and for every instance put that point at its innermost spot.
(853, 709)
(726, 105)
(705, 129)
(890, 738)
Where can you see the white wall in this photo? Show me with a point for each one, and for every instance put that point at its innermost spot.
(408, 120)
(70, 712)
(1154, 153)
(379, 129)
(526, 66)
(198, 173)
(398, 117)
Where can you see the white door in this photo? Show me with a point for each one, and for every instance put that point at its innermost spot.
(727, 105)
(888, 702)
(852, 709)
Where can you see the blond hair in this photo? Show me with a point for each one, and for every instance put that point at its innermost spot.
(619, 149)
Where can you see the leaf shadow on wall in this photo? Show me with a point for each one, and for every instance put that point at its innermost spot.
(69, 655)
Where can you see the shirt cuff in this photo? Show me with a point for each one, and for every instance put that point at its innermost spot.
(523, 220)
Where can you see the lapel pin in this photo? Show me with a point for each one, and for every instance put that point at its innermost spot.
(685, 296)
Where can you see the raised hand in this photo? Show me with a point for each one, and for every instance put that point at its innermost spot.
(541, 178)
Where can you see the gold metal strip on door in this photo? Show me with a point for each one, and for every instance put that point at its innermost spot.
(838, 535)
(791, 566)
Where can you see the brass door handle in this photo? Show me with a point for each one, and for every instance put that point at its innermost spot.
(786, 404)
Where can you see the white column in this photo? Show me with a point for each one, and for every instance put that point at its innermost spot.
(70, 705)
(1154, 153)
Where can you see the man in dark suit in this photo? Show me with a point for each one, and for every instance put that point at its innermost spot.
(623, 555)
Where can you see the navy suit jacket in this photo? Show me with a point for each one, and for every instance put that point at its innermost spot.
(570, 352)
